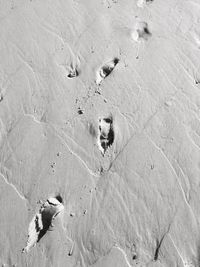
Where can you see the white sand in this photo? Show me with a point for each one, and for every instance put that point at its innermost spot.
(137, 204)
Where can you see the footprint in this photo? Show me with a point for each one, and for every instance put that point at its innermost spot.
(73, 69)
(73, 72)
(142, 3)
(141, 31)
(42, 221)
(106, 134)
(106, 70)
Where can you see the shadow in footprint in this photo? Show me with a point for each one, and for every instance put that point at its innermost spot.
(46, 216)
(142, 3)
(42, 221)
(141, 31)
(106, 70)
(106, 134)
(73, 70)
(59, 198)
(198, 255)
(73, 73)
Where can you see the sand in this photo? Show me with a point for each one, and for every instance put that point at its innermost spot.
(100, 105)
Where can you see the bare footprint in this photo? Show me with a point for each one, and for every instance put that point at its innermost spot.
(142, 3)
(42, 221)
(106, 134)
(106, 70)
(141, 31)
(73, 71)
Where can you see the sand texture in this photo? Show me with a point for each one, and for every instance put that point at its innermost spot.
(100, 133)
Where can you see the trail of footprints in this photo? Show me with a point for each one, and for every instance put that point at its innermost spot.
(42, 221)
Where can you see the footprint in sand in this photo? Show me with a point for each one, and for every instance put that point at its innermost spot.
(142, 3)
(42, 221)
(106, 70)
(141, 31)
(106, 134)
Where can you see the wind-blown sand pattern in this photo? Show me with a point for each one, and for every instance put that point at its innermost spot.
(100, 105)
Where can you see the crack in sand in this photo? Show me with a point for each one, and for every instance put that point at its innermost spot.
(174, 171)
(32, 117)
(159, 243)
(177, 249)
(124, 254)
(158, 148)
(13, 186)
(74, 153)
(65, 143)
